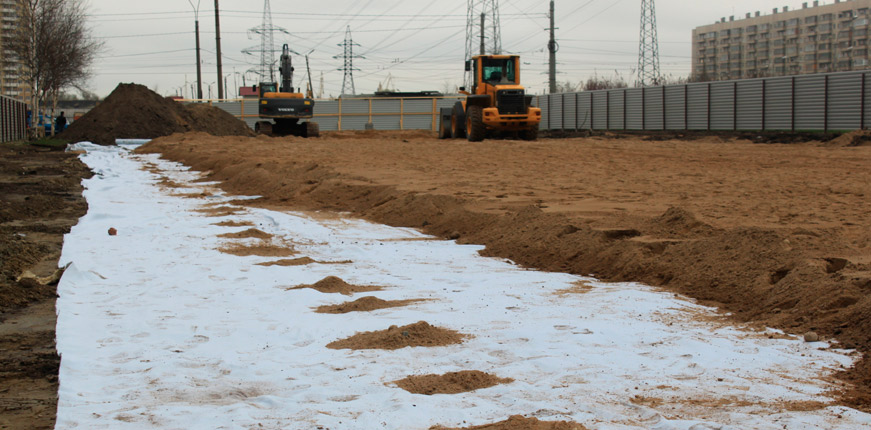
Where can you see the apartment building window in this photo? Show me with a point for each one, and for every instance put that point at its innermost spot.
(825, 27)
(860, 32)
(724, 33)
(735, 48)
(826, 17)
(810, 20)
(825, 46)
(809, 48)
(764, 27)
(824, 56)
(845, 14)
(762, 45)
(778, 51)
(762, 54)
(810, 57)
(751, 29)
(780, 24)
(811, 29)
(860, 22)
(843, 35)
(792, 23)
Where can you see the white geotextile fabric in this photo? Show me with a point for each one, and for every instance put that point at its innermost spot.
(158, 329)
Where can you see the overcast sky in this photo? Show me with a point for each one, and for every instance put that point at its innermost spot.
(420, 43)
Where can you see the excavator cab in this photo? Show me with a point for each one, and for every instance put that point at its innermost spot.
(497, 103)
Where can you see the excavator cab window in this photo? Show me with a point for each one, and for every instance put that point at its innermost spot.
(498, 71)
(268, 88)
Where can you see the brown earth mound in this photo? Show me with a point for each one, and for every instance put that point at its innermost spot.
(365, 304)
(134, 112)
(260, 250)
(776, 235)
(302, 261)
(334, 285)
(234, 224)
(518, 422)
(450, 383)
(853, 138)
(251, 233)
(417, 334)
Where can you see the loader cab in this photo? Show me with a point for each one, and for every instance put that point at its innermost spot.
(490, 71)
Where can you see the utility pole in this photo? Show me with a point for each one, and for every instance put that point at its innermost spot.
(348, 57)
(199, 62)
(218, 43)
(648, 50)
(483, 37)
(552, 48)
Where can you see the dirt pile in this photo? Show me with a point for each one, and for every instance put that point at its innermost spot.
(774, 234)
(251, 233)
(518, 422)
(450, 383)
(291, 262)
(260, 249)
(334, 285)
(134, 112)
(417, 334)
(364, 304)
(853, 138)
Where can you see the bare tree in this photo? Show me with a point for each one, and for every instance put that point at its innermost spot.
(605, 82)
(55, 47)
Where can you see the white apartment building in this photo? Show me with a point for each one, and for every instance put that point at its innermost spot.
(10, 84)
(817, 38)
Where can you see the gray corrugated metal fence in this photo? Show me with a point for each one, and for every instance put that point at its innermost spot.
(13, 119)
(822, 102)
(354, 114)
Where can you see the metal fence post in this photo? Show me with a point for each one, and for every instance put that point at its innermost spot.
(686, 107)
(826, 105)
(577, 109)
(608, 110)
(709, 106)
(862, 103)
(592, 112)
(792, 102)
(643, 108)
(735, 106)
(664, 116)
(763, 103)
(625, 127)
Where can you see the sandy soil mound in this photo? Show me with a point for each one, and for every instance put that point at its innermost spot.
(251, 233)
(258, 250)
(334, 285)
(417, 334)
(135, 112)
(365, 304)
(234, 224)
(853, 138)
(302, 261)
(450, 383)
(518, 422)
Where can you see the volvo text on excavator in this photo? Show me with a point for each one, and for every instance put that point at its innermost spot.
(282, 110)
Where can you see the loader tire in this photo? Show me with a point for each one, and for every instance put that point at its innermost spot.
(444, 127)
(458, 122)
(529, 134)
(475, 124)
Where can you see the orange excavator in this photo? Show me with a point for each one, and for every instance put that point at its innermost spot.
(287, 109)
(497, 104)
